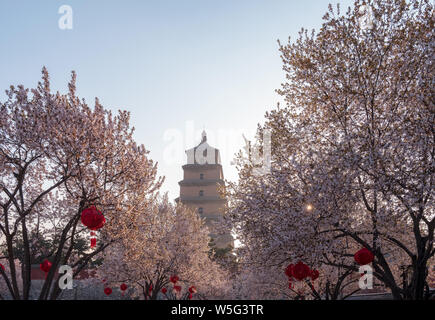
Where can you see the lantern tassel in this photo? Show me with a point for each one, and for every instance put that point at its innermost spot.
(93, 239)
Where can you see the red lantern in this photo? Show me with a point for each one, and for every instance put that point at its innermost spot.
(190, 296)
(314, 274)
(94, 220)
(123, 287)
(363, 256)
(108, 291)
(177, 288)
(174, 279)
(45, 266)
(164, 290)
(289, 270)
(150, 289)
(2, 266)
(192, 289)
(300, 271)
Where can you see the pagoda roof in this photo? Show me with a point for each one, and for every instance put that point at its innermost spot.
(205, 155)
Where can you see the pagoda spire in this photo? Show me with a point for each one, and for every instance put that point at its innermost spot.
(204, 136)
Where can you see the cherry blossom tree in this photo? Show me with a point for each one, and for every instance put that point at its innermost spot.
(57, 157)
(254, 282)
(5, 287)
(352, 150)
(167, 241)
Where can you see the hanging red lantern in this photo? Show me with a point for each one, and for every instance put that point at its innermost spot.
(177, 288)
(94, 220)
(108, 291)
(314, 274)
(289, 270)
(164, 290)
(45, 266)
(300, 271)
(123, 287)
(150, 289)
(190, 296)
(363, 256)
(192, 289)
(174, 279)
(2, 266)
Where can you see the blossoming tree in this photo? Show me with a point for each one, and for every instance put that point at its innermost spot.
(352, 150)
(57, 157)
(168, 242)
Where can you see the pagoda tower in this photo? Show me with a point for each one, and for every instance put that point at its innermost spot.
(203, 176)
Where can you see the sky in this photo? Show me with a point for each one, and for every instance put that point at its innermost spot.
(178, 66)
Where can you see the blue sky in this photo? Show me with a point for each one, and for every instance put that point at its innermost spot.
(178, 66)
